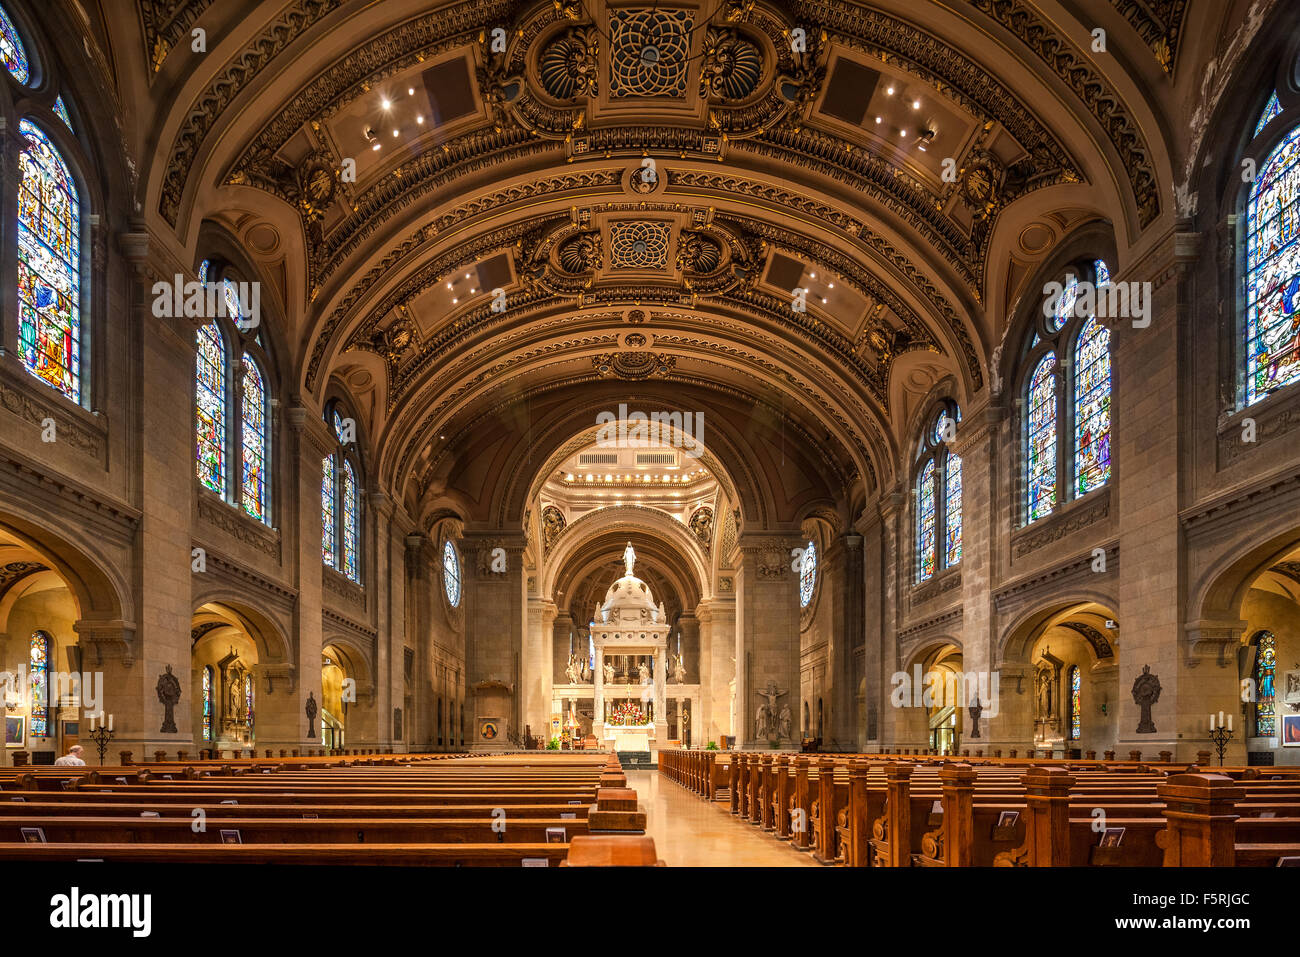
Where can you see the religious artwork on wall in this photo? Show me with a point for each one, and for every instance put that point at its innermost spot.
(169, 693)
(489, 729)
(311, 709)
(1291, 730)
(975, 710)
(1146, 692)
(1291, 695)
(767, 721)
(15, 730)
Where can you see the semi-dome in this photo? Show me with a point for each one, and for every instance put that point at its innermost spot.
(629, 598)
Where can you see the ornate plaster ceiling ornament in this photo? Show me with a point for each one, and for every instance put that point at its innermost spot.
(633, 366)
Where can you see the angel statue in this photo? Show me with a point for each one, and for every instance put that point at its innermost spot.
(571, 671)
(679, 669)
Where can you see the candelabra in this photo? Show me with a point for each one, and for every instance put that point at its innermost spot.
(1220, 734)
(101, 736)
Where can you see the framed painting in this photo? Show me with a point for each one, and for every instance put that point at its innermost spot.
(15, 730)
(1290, 730)
(489, 729)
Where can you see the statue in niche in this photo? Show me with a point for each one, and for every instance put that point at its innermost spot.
(629, 559)
(679, 669)
(765, 719)
(1044, 693)
(235, 696)
(975, 709)
(1146, 692)
(643, 672)
(586, 670)
(571, 669)
(169, 693)
(609, 673)
(783, 722)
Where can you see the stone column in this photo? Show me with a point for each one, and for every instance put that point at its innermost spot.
(844, 559)
(536, 679)
(494, 618)
(976, 443)
(717, 621)
(660, 697)
(881, 670)
(769, 638)
(598, 702)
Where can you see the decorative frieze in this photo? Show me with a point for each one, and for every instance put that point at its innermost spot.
(232, 522)
(1072, 519)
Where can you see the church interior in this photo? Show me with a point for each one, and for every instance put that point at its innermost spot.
(755, 433)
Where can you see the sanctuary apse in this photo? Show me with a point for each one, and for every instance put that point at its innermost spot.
(348, 346)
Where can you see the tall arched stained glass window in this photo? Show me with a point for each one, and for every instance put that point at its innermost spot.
(49, 264)
(1040, 457)
(255, 444)
(952, 510)
(38, 674)
(328, 514)
(1265, 667)
(248, 701)
(807, 574)
(211, 408)
(11, 49)
(925, 545)
(451, 576)
(207, 703)
(938, 496)
(1272, 326)
(1091, 408)
(350, 534)
(1076, 712)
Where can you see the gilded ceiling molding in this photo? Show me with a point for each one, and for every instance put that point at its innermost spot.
(1106, 105)
(1159, 23)
(163, 23)
(221, 92)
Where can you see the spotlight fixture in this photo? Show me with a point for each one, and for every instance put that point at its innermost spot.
(420, 119)
(889, 91)
(386, 103)
(410, 91)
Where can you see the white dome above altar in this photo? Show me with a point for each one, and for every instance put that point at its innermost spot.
(629, 599)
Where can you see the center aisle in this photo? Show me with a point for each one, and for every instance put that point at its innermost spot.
(691, 832)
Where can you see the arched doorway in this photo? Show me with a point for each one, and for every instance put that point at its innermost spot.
(224, 659)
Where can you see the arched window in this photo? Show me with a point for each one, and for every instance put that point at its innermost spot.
(451, 581)
(1076, 713)
(232, 400)
(807, 574)
(1272, 295)
(207, 703)
(1265, 666)
(1068, 397)
(38, 721)
(61, 111)
(1091, 408)
(11, 49)
(254, 438)
(49, 264)
(248, 701)
(210, 408)
(938, 496)
(341, 499)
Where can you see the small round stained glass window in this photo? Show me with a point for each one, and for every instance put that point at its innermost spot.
(451, 574)
(807, 574)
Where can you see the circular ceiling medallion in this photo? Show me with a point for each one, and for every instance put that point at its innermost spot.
(1036, 238)
(263, 239)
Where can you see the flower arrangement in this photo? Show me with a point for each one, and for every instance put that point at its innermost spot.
(627, 713)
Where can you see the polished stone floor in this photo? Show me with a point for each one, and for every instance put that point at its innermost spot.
(691, 832)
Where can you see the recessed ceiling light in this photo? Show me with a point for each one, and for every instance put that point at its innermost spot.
(879, 120)
(902, 133)
(386, 103)
(916, 104)
(410, 91)
(830, 285)
(890, 91)
(448, 285)
(454, 301)
(394, 132)
(376, 145)
(420, 120)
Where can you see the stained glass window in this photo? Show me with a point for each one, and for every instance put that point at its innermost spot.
(230, 294)
(1091, 408)
(328, 521)
(61, 110)
(1272, 327)
(925, 546)
(1265, 665)
(248, 701)
(1040, 472)
(340, 430)
(1271, 109)
(203, 270)
(1076, 713)
(807, 574)
(38, 722)
(1102, 271)
(952, 510)
(207, 703)
(451, 574)
(255, 444)
(351, 506)
(1063, 311)
(210, 408)
(11, 49)
(49, 264)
